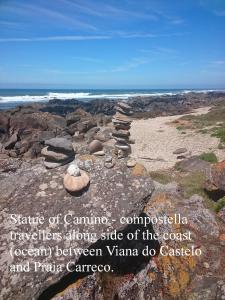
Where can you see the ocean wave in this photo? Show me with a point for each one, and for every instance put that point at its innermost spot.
(87, 96)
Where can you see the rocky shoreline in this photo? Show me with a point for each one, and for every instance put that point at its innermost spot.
(62, 158)
(24, 129)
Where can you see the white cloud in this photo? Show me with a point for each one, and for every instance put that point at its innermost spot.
(56, 38)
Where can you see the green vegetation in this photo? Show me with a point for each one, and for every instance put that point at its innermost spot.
(161, 177)
(180, 128)
(219, 132)
(219, 204)
(190, 183)
(212, 123)
(210, 157)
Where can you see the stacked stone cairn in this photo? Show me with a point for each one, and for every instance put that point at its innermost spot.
(58, 152)
(122, 121)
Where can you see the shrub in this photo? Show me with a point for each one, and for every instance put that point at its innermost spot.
(220, 204)
(210, 157)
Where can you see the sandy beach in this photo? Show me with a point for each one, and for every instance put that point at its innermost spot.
(156, 139)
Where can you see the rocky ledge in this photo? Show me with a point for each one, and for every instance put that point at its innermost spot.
(34, 191)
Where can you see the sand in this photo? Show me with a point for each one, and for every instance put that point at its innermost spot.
(156, 139)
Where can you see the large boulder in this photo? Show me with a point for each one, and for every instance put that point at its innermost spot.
(34, 191)
(167, 277)
(216, 179)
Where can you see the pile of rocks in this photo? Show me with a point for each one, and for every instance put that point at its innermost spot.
(58, 152)
(122, 121)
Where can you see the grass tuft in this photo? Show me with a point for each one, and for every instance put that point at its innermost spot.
(209, 157)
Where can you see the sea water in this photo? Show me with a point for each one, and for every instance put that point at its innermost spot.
(10, 98)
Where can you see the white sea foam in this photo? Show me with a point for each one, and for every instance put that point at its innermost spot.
(87, 96)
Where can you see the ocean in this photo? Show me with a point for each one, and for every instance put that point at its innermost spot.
(10, 98)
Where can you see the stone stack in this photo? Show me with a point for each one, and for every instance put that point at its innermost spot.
(122, 122)
(58, 152)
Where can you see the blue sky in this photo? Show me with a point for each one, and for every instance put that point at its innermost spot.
(112, 44)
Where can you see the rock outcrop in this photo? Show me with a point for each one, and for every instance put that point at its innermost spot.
(35, 191)
(216, 180)
(167, 277)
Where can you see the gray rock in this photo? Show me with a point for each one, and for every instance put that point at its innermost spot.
(131, 163)
(61, 144)
(180, 151)
(193, 164)
(121, 133)
(51, 164)
(108, 158)
(122, 147)
(95, 146)
(45, 135)
(50, 154)
(121, 140)
(99, 153)
(118, 194)
(11, 142)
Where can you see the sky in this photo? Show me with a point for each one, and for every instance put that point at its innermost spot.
(112, 44)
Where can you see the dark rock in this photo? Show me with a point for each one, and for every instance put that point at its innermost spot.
(4, 123)
(84, 126)
(180, 151)
(13, 153)
(34, 151)
(61, 144)
(50, 154)
(45, 135)
(72, 118)
(194, 164)
(121, 133)
(12, 141)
